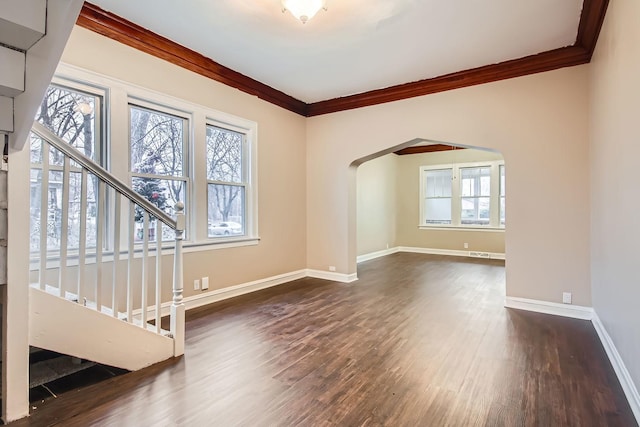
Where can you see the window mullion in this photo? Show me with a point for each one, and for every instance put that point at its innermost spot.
(456, 202)
(494, 201)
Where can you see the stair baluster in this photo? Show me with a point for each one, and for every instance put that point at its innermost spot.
(116, 252)
(107, 217)
(158, 275)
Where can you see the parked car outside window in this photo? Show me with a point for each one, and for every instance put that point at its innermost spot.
(225, 228)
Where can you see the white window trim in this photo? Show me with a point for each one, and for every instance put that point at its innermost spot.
(119, 94)
(250, 167)
(187, 175)
(456, 205)
(102, 151)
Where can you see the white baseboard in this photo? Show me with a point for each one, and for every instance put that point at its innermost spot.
(205, 298)
(331, 275)
(546, 307)
(451, 252)
(377, 254)
(628, 386)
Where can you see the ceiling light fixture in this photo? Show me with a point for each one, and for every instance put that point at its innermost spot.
(303, 10)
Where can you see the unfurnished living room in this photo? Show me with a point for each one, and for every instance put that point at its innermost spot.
(319, 212)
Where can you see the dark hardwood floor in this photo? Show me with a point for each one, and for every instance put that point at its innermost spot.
(419, 340)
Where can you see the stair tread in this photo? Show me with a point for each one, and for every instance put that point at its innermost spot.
(52, 369)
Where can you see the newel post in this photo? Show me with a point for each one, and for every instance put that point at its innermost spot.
(177, 307)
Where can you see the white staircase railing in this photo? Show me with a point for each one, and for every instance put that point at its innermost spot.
(56, 266)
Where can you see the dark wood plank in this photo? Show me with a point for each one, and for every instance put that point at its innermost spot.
(419, 340)
(591, 20)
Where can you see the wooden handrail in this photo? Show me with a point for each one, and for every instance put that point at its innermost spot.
(102, 174)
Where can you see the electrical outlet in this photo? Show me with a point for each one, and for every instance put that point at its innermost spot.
(205, 283)
(566, 297)
(466, 245)
(332, 268)
(196, 285)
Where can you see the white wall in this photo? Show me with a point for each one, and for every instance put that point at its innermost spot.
(526, 119)
(377, 204)
(615, 195)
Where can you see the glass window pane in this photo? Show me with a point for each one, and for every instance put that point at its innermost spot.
(438, 211)
(54, 210)
(74, 116)
(438, 183)
(502, 181)
(224, 155)
(34, 208)
(70, 114)
(226, 210)
(475, 182)
(35, 148)
(164, 194)
(475, 210)
(157, 142)
(502, 210)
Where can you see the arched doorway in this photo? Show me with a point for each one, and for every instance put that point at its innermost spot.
(431, 197)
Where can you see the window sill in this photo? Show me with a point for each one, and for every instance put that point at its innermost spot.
(220, 243)
(53, 261)
(462, 228)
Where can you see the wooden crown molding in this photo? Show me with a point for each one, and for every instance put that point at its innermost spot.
(419, 149)
(109, 25)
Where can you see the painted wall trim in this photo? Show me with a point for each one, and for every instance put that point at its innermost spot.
(452, 252)
(546, 307)
(377, 254)
(206, 298)
(331, 275)
(628, 386)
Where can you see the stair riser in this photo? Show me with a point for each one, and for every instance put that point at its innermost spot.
(6, 115)
(22, 23)
(12, 63)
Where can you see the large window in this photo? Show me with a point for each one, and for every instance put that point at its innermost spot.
(465, 195)
(166, 148)
(74, 113)
(157, 166)
(227, 182)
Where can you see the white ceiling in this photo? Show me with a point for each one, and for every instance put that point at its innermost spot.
(357, 45)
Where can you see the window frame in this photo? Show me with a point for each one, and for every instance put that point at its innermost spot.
(135, 102)
(101, 147)
(116, 120)
(502, 194)
(249, 176)
(456, 196)
(244, 179)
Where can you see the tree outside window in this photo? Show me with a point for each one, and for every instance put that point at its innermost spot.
(226, 182)
(75, 116)
(157, 163)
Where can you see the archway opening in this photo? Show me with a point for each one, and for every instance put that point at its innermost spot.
(430, 197)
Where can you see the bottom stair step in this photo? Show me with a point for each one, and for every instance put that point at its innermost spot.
(49, 370)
